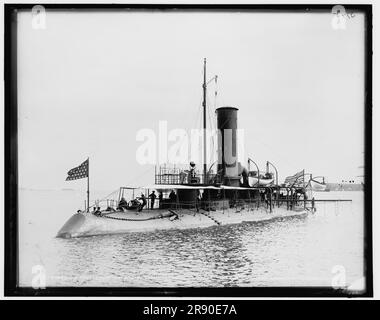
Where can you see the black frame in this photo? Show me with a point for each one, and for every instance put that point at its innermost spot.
(11, 164)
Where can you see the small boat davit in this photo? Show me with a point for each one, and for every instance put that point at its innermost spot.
(229, 193)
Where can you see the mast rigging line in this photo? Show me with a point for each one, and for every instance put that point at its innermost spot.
(213, 128)
(108, 196)
(140, 175)
(117, 190)
(204, 87)
(212, 79)
(206, 101)
(197, 119)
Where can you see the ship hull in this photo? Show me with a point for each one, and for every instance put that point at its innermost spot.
(87, 224)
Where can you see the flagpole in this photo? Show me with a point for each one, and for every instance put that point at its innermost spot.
(88, 184)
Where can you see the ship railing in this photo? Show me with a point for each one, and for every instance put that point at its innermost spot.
(104, 204)
(184, 178)
(212, 205)
(219, 205)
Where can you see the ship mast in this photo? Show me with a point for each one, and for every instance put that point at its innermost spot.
(204, 123)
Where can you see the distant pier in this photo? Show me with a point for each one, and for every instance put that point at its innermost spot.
(344, 187)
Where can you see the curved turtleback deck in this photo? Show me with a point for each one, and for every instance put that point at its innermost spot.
(166, 219)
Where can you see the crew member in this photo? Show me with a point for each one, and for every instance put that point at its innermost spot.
(198, 200)
(173, 198)
(160, 199)
(143, 202)
(192, 175)
(192, 169)
(152, 197)
(123, 204)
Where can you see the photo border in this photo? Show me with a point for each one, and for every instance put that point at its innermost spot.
(11, 271)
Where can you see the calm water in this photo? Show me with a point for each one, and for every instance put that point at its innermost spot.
(299, 251)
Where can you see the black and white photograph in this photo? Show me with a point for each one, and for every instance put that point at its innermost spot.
(189, 148)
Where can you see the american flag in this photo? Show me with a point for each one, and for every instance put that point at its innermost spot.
(78, 172)
(295, 179)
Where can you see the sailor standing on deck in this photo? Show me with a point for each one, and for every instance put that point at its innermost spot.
(198, 200)
(192, 176)
(152, 197)
(173, 198)
(143, 202)
(160, 198)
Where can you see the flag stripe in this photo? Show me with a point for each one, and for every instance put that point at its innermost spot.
(291, 180)
(78, 172)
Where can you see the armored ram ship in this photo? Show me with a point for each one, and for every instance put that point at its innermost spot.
(230, 192)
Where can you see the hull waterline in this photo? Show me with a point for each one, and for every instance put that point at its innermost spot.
(87, 224)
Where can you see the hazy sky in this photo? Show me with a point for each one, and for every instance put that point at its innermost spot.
(89, 81)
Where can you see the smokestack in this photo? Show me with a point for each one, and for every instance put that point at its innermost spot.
(227, 144)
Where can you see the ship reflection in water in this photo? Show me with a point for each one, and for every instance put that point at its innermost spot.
(300, 251)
